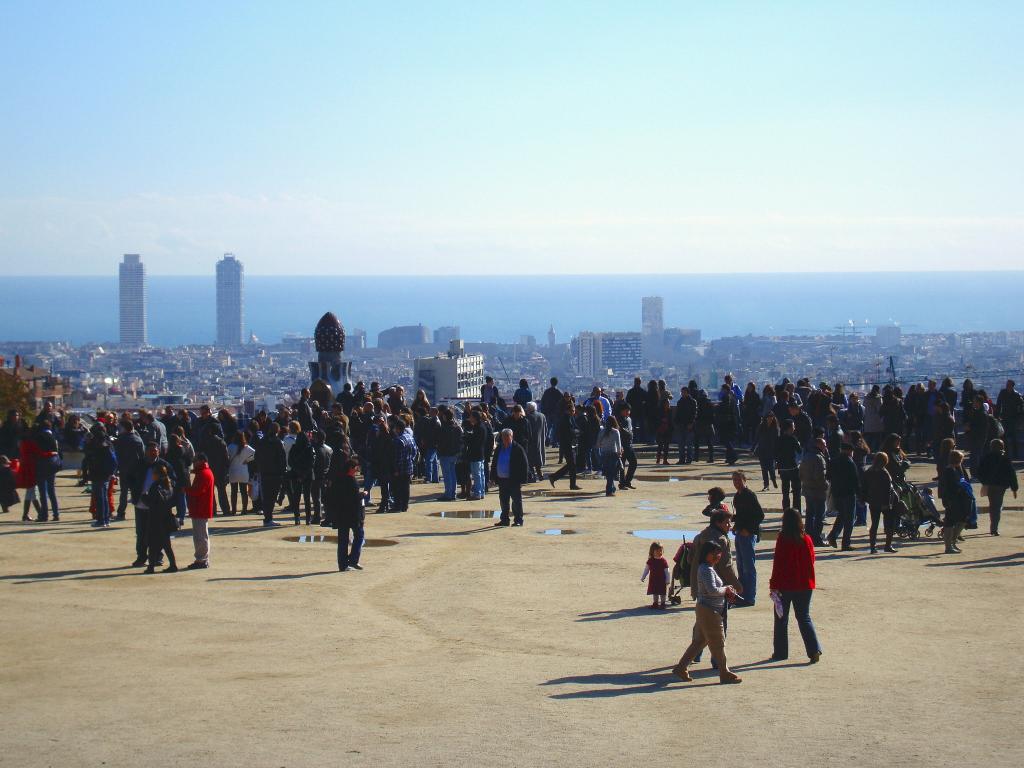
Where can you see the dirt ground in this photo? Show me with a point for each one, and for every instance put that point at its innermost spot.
(463, 644)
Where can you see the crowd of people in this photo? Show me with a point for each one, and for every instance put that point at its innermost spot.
(320, 462)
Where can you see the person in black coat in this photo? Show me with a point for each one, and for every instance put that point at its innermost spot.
(216, 451)
(344, 506)
(510, 470)
(568, 442)
(300, 461)
(957, 498)
(272, 463)
(160, 520)
(844, 483)
(997, 475)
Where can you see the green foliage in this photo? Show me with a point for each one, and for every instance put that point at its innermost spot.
(13, 395)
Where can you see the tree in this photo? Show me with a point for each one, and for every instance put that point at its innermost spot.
(13, 395)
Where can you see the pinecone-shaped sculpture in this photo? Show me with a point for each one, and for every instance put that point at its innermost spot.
(329, 335)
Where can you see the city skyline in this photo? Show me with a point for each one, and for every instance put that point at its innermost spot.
(672, 138)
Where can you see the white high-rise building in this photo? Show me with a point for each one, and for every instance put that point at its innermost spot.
(652, 327)
(132, 293)
(230, 301)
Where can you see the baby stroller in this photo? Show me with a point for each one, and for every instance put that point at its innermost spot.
(913, 511)
(680, 571)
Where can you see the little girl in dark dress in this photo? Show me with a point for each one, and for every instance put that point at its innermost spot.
(657, 567)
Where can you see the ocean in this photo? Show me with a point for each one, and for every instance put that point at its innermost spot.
(181, 310)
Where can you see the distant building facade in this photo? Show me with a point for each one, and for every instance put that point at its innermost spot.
(357, 339)
(403, 336)
(888, 336)
(450, 377)
(230, 301)
(652, 327)
(674, 338)
(594, 354)
(132, 296)
(446, 333)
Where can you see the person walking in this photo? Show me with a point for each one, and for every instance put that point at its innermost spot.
(787, 458)
(1010, 411)
(880, 494)
(510, 470)
(347, 513)
(766, 446)
(48, 463)
(609, 446)
(102, 467)
(709, 626)
(200, 510)
(747, 523)
(792, 585)
(568, 444)
(997, 475)
(538, 437)
(814, 486)
(845, 486)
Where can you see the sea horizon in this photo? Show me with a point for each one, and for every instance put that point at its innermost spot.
(181, 308)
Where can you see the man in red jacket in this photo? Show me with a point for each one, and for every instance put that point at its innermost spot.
(200, 510)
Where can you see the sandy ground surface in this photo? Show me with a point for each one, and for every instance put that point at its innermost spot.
(468, 645)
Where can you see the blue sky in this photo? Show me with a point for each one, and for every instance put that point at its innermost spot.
(325, 138)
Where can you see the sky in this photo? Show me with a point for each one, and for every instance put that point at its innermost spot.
(495, 137)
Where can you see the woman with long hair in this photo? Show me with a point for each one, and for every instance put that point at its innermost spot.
(792, 584)
(609, 447)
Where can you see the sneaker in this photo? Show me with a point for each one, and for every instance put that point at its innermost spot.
(271, 524)
(97, 524)
(171, 569)
(815, 657)
(138, 564)
(196, 566)
(890, 548)
(150, 569)
(357, 566)
(518, 523)
(502, 524)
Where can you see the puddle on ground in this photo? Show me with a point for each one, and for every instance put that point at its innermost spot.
(664, 533)
(324, 538)
(558, 516)
(468, 514)
(557, 532)
(669, 517)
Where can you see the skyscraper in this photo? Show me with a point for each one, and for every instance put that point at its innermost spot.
(230, 286)
(132, 284)
(653, 324)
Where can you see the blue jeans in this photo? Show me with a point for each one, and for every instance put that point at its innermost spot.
(861, 515)
(182, 507)
(430, 465)
(369, 478)
(610, 466)
(801, 602)
(448, 474)
(47, 490)
(685, 439)
(101, 499)
(844, 518)
(476, 474)
(815, 520)
(745, 563)
(349, 555)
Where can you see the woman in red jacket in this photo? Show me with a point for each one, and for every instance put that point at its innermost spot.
(792, 583)
(25, 476)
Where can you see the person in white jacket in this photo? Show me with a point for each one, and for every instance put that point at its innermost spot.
(609, 445)
(240, 454)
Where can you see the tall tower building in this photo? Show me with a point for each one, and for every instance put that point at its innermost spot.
(132, 283)
(551, 336)
(652, 328)
(230, 288)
